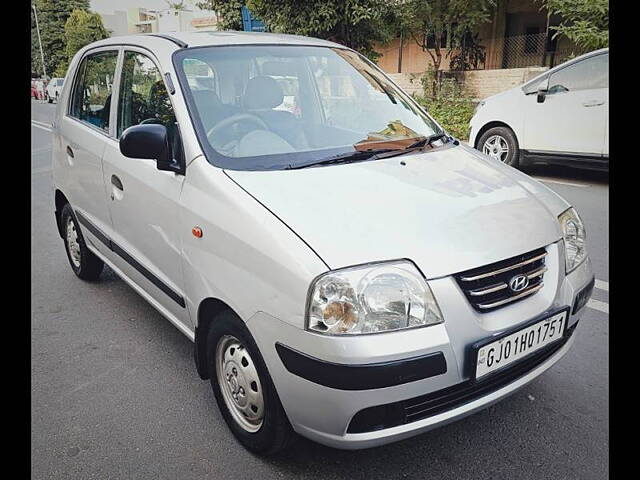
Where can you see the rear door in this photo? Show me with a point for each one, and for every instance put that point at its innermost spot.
(573, 116)
(84, 132)
(144, 201)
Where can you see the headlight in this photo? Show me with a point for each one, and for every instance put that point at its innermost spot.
(574, 238)
(371, 298)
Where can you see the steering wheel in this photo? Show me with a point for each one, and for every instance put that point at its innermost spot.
(237, 118)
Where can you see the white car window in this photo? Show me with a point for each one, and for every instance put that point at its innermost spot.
(587, 74)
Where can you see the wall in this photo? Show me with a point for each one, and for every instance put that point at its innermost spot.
(479, 83)
(484, 83)
(414, 59)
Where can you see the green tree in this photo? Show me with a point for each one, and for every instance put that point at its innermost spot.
(52, 16)
(81, 29)
(358, 24)
(228, 11)
(584, 22)
(439, 26)
(179, 5)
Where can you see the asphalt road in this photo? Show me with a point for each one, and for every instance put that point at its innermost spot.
(115, 393)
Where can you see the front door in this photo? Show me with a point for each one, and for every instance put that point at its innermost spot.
(144, 201)
(573, 116)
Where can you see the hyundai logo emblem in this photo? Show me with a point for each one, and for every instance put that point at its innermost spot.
(518, 283)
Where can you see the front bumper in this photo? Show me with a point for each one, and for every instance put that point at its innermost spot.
(322, 410)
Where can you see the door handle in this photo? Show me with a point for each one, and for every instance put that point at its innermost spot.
(115, 181)
(69, 151)
(593, 103)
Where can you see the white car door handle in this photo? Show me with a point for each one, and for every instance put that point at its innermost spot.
(593, 103)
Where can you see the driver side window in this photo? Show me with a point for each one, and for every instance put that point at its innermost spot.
(143, 96)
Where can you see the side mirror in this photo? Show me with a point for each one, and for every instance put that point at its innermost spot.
(543, 88)
(149, 141)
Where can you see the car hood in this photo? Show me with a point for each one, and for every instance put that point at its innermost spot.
(448, 210)
(512, 92)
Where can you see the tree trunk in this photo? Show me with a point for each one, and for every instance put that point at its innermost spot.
(436, 66)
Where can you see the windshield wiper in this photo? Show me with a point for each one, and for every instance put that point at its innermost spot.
(428, 140)
(348, 157)
(373, 154)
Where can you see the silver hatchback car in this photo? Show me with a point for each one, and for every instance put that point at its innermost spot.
(345, 268)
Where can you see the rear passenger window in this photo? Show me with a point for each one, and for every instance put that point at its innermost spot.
(91, 101)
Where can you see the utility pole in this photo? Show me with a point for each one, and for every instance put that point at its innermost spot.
(35, 13)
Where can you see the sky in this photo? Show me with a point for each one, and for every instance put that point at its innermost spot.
(109, 6)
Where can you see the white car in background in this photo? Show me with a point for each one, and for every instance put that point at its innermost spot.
(54, 88)
(561, 117)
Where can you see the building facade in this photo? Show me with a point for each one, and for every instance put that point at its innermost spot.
(517, 35)
(142, 20)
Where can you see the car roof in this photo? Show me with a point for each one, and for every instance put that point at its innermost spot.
(218, 38)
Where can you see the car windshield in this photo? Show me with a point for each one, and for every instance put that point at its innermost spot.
(274, 107)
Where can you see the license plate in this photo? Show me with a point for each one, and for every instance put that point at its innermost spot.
(515, 346)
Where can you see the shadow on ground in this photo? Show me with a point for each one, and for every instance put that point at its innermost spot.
(568, 174)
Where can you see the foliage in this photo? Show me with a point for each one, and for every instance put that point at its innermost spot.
(228, 11)
(179, 5)
(451, 106)
(469, 55)
(81, 29)
(52, 16)
(584, 22)
(358, 24)
(439, 26)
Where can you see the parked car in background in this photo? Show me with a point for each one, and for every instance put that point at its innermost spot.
(346, 269)
(560, 117)
(54, 87)
(34, 90)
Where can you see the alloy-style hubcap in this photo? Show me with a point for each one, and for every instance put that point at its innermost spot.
(496, 147)
(239, 383)
(72, 242)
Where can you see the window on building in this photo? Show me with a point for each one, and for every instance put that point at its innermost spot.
(91, 101)
(430, 39)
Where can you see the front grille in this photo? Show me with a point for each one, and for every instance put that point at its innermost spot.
(487, 288)
(417, 408)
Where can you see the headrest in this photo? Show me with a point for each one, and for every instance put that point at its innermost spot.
(205, 98)
(262, 93)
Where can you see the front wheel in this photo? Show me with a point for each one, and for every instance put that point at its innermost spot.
(500, 143)
(243, 387)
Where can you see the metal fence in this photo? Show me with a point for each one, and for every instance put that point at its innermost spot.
(525, 51)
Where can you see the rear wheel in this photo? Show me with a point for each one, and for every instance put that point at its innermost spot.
(500, 143)
(243, 387)
(84, 263)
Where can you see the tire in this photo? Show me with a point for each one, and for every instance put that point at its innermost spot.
(501, 144)
(83, 262)
(49, 99)
(229, 344)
